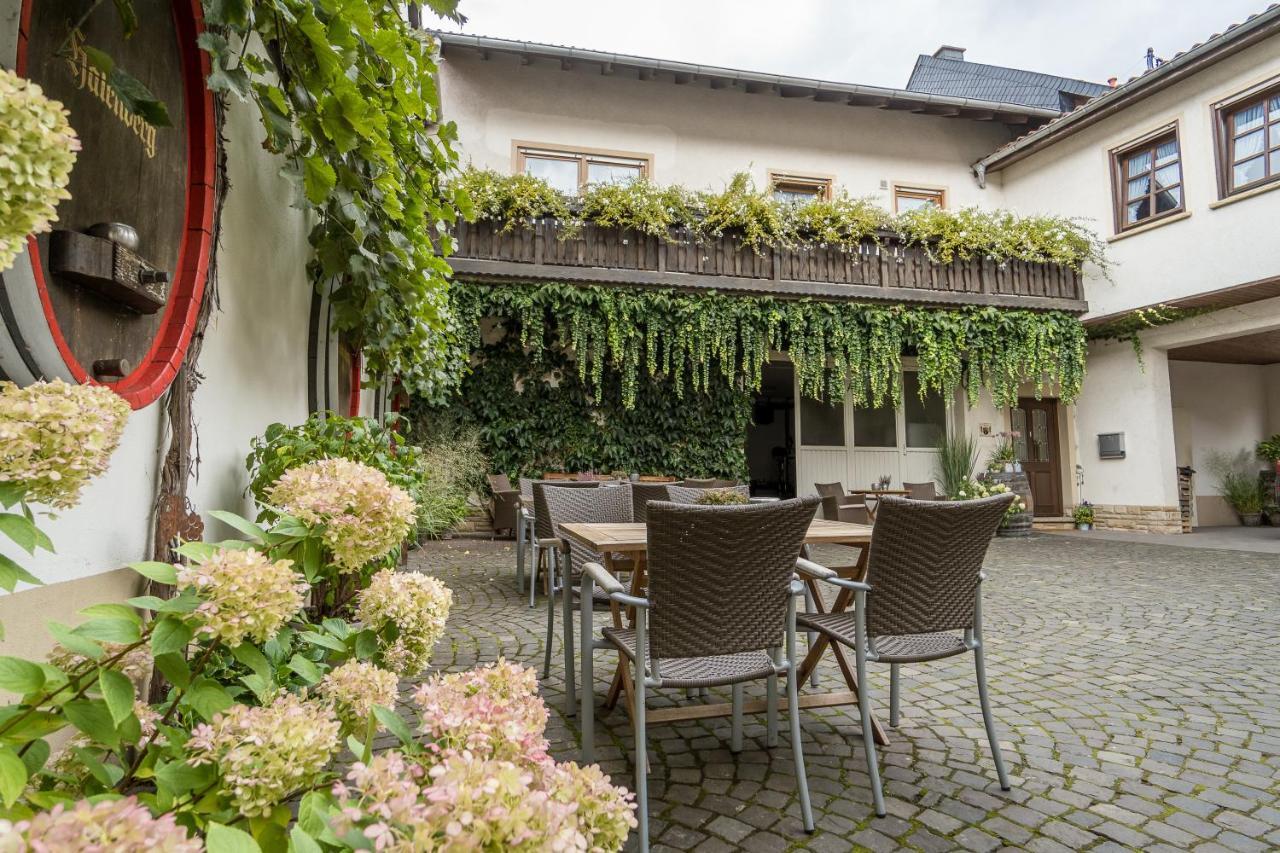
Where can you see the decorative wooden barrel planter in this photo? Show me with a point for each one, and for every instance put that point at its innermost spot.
(116, 305)
(1019, 525)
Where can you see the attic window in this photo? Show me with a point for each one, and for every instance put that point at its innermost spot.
(913, 198)
(787, 186)
(1147, 179)
(570, 170)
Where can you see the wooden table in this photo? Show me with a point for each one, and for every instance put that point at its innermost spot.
(630, 541)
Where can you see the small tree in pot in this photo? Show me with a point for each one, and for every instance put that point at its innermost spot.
(1239, 485)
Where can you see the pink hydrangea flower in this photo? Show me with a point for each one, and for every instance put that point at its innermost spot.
(417, 605)
(245, 594)
(356, 688)
(492, 711)
(110, 826)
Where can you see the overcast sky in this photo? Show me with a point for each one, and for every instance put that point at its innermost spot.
(856, 41)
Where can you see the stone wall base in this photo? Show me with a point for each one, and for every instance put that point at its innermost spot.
(1146, 519)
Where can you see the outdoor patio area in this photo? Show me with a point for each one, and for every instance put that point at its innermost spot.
(1133, 684)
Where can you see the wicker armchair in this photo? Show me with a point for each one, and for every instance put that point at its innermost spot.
(504, 507)
(922, 491)
(921, 601)
(641, 494)
(524, 531)
(556, 505)
(839, 505)
(698, 484)
(684, 495)
(545, 541)
(720, 609)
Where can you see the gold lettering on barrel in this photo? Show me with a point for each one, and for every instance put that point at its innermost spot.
(87, 76)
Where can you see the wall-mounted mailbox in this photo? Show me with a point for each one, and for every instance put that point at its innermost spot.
(1110, 445)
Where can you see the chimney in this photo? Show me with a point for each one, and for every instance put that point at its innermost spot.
(949, 52)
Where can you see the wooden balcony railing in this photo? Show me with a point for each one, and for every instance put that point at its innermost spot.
(888, 271)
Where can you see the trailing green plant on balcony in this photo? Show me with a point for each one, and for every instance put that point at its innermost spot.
(759, 221)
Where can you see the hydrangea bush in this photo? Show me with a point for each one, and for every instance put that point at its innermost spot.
(37, 151)
(245, 594)
(363, 516)
(411, 608)
(108, 826)
(55, 437)
(494, 711)
(265, 754)
(975, 489)
(355, 688)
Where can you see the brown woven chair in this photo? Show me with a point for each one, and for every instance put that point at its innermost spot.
(720, 609)
(699, 484)
(505, 504)
(922, 491)
(544, 538)
(684, 495)
(558, 505)
(641, 494)
(839, 505)
(921, 601)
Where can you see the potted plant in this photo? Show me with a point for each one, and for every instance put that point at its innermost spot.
(1083, 515)
(1239, 485)
(1003, 458)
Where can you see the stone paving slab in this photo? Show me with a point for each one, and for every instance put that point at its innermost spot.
(1136, 688)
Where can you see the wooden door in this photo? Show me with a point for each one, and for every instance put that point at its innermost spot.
(1036, 422)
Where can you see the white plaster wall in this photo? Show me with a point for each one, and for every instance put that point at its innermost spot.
(254, 366)
(1226, 411)
(699, 137)
(1120, 395)
(1212, 248)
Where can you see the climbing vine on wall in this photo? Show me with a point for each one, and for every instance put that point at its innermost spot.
(1130, 325)
(533, 414)
(696, 342)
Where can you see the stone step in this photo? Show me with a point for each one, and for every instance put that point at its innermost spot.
(1063, 522)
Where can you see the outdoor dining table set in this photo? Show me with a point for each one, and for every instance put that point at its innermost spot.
(702, 596)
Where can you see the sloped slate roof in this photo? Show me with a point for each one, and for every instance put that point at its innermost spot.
(959, 79)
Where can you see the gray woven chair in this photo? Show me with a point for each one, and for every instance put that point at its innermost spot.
(720, 610)
(524, 531)
(641, 494)
(504, 504)
(922, 491)
(921, 601)
(685, 495)
(545, 542)
(839, 505)
(558, 506)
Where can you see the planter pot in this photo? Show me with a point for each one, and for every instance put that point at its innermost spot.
(1084, 525)
(1251, 519)
(1017, 467)
(1008, 467)
(1018, 527)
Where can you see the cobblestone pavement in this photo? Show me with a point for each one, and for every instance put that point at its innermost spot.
(1136, 688)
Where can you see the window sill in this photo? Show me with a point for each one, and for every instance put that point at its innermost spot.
(1241, 196)
(1143, 229)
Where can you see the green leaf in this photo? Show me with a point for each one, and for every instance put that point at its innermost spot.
(117, 692)
(35, 756)
(197, 551)
(165, 573)
(13, 776)
(228, 839)
(313, 815)
(73, 641)
(20, 529)
(306, 669)
(145, 602)
(11, 573)
(128, 17)
(395, 724)
(248, 528)
(179, 777)
(301, 842)
(324, 640)
(138, 99)
(208, 697)
(174, 667)
(170, 634)
(252, 657)
(113, 611)
(231, 13)
(11, 492)
(319, 179)
(109, 630)
(92, 717)
(20, 676)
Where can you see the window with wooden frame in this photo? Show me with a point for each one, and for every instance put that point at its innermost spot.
(912, 198)
(1249, 141)
(570, 170)
(788, 186)
(1147, 179)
